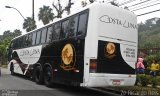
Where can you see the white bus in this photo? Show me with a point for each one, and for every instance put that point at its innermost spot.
(94, 47)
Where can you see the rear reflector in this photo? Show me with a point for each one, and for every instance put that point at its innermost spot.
(93, 65)
(76, 71)
(55, 69)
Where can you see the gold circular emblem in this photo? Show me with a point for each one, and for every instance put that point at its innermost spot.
(67, 54)
(110, 48)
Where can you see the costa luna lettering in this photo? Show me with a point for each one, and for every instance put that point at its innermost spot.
(123, 23)
(30, 52)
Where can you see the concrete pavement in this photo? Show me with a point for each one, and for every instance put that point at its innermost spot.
(4, 71)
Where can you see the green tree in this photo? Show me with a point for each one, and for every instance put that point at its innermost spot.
(68, 7)
(91, 1)
(114, 3)
(3, 50)
(1, 37)
(7, 34)
(46, 14)
(141, 27)
(83, 3)
(59, 9)
(2, 54)
(16, 33)
(158, 23)
(148, 24)
(29, 24)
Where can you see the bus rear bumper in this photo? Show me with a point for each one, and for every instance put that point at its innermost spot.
(102, 80)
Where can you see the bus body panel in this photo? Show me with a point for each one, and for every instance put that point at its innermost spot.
(117, 24)
(118, 27)
(52, 54)
(30, 55)
(103, 80)
(112, 63)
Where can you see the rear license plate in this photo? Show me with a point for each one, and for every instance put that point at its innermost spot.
(116, 82)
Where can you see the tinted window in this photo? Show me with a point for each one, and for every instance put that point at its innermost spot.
(49, 34)
(82, 24)
(34, 38)
(30, 39)
(26, 41)
(73, 22)
(15, 43)
(56, 32)
(65, 29)
(20, 40)
(43, 36)
(38, 37)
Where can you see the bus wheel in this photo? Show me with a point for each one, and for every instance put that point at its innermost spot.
(12, 69)
(48, 77)
(38, 75)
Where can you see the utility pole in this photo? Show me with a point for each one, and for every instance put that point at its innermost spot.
(33, 9)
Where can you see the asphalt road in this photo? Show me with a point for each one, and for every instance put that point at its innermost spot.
(21, 86)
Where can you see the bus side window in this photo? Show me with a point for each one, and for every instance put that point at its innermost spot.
(56, 31)
(38, 37)
(73, 22)
(43, 36)
(23, 41)
(49, 34)
(65, 29)
(20, 42)
(82, 24)
(29, 43)
(26, 41)
(34, 38)
(14, 44)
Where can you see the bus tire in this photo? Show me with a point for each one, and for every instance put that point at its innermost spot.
(12, 69)
(38, 75)
(48, 77)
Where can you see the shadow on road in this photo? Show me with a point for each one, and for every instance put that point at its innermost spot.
(75, 91)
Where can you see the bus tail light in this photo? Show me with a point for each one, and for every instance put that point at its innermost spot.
(93, 66)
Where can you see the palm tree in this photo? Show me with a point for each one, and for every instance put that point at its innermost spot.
(46, 14)
(29, 24)
(3, 52)
(7, 34)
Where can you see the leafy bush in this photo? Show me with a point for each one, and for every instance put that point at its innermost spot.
(143, 80)
(152, 57)
(154, 81)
